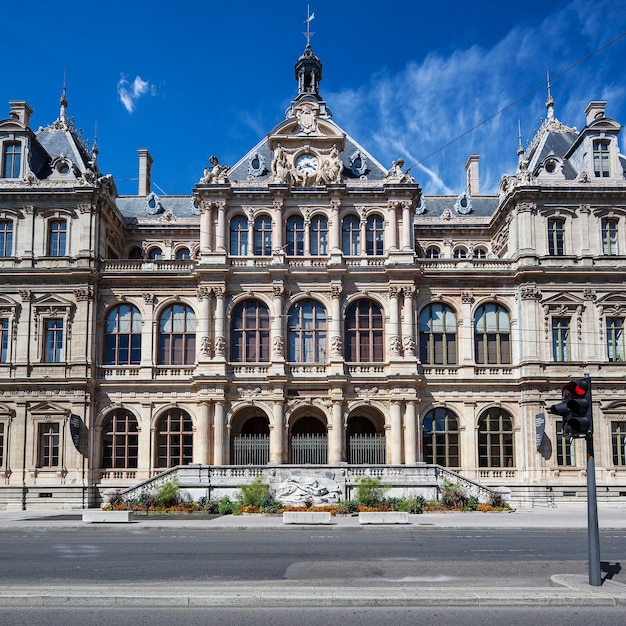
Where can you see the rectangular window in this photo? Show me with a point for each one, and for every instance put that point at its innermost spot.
(49, 445)
(556, 233)
(6, 238)
(54, 341)
(4, 341)
(601, 159)
(564, 447)
(11, 160)
(615, 338)
(57, 240)
(609, 237)
(618, 440)
(1, 444)
(560, 339)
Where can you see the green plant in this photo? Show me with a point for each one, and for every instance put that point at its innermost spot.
(225, 506)
(496, 500)
(370, 491)
(167, 494)
(415, 504)
(253, 493)
(346, 507)
(115, 498)
(453, 496)
(210, 506)
(269, 505)
(472, 503)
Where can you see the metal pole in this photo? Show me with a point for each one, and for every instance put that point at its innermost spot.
(593, 537)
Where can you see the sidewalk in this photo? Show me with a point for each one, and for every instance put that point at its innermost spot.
(561, 590)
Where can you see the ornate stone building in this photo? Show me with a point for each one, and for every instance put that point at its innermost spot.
(306, 306)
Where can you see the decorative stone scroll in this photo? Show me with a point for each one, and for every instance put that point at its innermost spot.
(308, 489)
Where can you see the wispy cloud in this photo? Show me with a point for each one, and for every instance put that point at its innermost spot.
(129, 93)
(419, 112)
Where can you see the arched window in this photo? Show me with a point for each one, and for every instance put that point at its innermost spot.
(438, 335)
(492, 335)
(177, 335)
(123, 336)
(295, 236)
(174, 439)
(6, 238)
(57, 238)
(441, 438)
(460, 253)
(250, 332)
(239, 236)
(351, 236)
(319, 236)
(183, 254)
(556, 237)
(364, 332)
(135, 253)
(432, 252)
(495, 439)
(307, 332)
(120, 440)
(374, 235)
(263, 236)
(480, 253)
(155, 254)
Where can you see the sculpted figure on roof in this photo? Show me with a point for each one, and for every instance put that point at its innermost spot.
(396, 175)
(330, 170)
(282, 171)
(216, 173)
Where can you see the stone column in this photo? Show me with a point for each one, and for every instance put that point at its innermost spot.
(396, 433)
(277, 432)
(334, 227)
(204, 345)
(407, 227)
(363, 235)
(221, 238)
(201, 447)
(410, 433)
(149, 331)
(219, 432)
(145, 453)
(395, 347)
(334, 326)
(277, 230)
(278, 341)
(207, 235)
(525, 227)
(219, 353)
(336, 435)
(408, 326)
(391, 236)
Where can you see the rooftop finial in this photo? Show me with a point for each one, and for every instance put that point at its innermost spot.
(63, 101)
(520, 147)
(310, 17)
(550, 101)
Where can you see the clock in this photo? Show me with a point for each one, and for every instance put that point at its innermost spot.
(307, 164)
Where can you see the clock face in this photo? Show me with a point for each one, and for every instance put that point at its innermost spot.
(306, 164)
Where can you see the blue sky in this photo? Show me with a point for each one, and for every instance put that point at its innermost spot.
(191, 79)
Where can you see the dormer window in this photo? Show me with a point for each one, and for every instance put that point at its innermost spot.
(601, 161)
(11, 160)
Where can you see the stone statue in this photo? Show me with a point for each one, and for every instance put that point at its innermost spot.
(330, 170)
(220, 346)
(396, 175)
(281, 171)
(308, 489)
(336, 346)
(216, 173)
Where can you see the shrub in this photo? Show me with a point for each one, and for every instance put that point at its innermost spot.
(346, 507)
(115, 498)
(415, 504)
(210, 506)
(453, 496)
(497, 501)
(472, 503)
(225, 506)
(254, 493)
(370, 491)
(167, 494)
(269, 505)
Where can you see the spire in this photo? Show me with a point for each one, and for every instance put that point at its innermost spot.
(63, 101)
(550, 102)
(308, 66)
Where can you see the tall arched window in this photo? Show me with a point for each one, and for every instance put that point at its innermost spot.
(57, 238)
(174, 439)
(307, 332)
(441, 438)
(438, 335)
(319, 236)
(239, 236)
(492, 335)
(351, 236)
(250, 332)
(364, 332)
(295, 236)
(495, 439)
(263, 236)
(11, 160)
(609, 236)
(556, 237)
(6, 238)
(374, 235)
(123, 336)
(177, 335)
(120, 440)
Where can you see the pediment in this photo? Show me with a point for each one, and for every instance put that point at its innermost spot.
(564, 301)
(43, 409)
(52, 300)
(613, 305)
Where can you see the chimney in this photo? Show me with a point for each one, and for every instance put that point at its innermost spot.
(20, 111)
(471, 170)
(145, 171)
(595, 110)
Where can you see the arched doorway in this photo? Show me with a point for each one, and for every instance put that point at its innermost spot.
(308, 441)
(250, 441)
(365, 441)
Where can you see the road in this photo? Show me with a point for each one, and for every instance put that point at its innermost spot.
(427, 557)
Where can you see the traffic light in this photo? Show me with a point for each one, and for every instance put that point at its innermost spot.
(575, 408)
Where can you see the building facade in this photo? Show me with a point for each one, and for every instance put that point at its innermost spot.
(306, 306)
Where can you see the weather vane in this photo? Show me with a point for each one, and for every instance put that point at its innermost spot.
(309, 19)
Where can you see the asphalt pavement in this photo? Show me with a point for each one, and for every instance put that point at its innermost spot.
(561, 589)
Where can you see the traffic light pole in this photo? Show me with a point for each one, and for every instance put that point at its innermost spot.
(593, 537)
